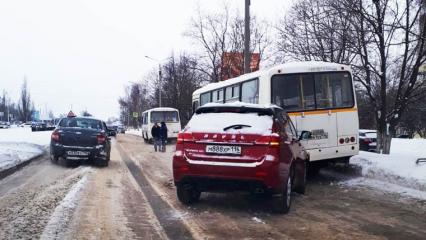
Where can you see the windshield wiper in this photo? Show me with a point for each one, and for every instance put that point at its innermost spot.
(236, 126)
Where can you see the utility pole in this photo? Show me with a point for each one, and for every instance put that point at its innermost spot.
(160, 83)
(159, 77)
(247, 55)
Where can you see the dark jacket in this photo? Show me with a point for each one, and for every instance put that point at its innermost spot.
(155, 131)
(163, 131)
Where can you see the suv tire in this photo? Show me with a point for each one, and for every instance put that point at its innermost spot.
(187, 194)
(300, 184)
(282, 202)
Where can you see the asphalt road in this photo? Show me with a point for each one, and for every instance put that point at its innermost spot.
(134, 198)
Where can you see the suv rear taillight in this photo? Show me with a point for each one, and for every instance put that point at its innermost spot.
(55, 136)
(184, 137)
(269, 140)
(101, 138)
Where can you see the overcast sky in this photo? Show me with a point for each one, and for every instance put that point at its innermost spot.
(81, 53)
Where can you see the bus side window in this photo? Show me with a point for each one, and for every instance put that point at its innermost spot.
(232, 93)
(205, 98)
(250, 91)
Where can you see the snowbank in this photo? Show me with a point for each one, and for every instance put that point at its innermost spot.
(396, 168)
(18, 145)
(409, 147)
(12, 154)
(18, 134)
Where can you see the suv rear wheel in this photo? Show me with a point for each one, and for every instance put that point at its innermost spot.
(187, 194)
(282, 202)
(300, 182)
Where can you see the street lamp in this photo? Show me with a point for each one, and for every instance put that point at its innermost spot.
(159, 76)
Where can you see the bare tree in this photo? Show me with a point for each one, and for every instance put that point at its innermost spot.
(25, 107)
(221, 32)
(181, 78)
(383, 40)
(315, 30)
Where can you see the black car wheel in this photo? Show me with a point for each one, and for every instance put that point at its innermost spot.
(282, 202)
(53, 158)
(102, 162)
(187, 194)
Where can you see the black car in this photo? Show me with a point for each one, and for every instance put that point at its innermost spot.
(38, 126)
(81, 138)
(113, 130)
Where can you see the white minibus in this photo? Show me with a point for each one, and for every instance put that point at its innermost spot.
(318, 96)
(157, 115)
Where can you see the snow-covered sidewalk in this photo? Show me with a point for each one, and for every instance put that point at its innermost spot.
(136, 132)
(18, 145)
(399, 168)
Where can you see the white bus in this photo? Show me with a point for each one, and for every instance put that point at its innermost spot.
(157, 115)
(318, 96)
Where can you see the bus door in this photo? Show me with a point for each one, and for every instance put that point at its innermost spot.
(322, 127)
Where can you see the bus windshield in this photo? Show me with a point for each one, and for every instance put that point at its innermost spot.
(307, 91)
(164, 116)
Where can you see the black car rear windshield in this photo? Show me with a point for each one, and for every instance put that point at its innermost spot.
(81, 123)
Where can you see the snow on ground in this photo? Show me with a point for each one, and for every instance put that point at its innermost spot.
(389, 187)
(409, 147)
(18, 145)
(399, 168)
(63, 212)
(24, 134)
(12, 154)
(137, 132)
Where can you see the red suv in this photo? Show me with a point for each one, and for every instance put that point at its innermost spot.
(237, 147)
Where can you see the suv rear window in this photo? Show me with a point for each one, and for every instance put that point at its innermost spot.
(81, 123)
(231, 120)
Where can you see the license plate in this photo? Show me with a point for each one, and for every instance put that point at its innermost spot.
(78, 153)
(221, 149)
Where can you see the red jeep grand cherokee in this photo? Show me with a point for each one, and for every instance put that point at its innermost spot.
(236, 147)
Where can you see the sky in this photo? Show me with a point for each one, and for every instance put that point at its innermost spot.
(80, 54)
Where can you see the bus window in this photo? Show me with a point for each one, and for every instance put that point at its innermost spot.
(217, 96)
(333, 90)
(164, 116)
(250, 91)
(232, 93)
(293, 92)
(205, 98)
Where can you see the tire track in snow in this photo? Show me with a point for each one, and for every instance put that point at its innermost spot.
(61, 217)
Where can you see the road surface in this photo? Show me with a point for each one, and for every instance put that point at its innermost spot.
(134, 198)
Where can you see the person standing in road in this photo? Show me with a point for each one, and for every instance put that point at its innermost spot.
(155, 132)
(163, 136)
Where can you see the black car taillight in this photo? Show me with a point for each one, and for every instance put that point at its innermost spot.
(101, 138)
(55, 136)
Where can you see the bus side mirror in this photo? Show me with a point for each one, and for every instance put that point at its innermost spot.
(305, 135)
